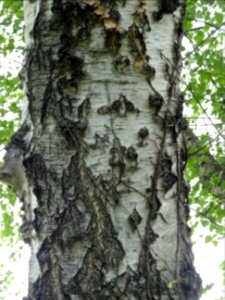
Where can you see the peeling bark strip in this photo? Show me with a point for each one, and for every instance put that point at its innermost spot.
(105, 199)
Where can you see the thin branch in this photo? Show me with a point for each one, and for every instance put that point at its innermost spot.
(206, 216)
(203, 41)
(207, 168)
(204, 111)
(206, 23)
(192, 137)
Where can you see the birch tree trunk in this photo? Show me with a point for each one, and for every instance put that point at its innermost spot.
(104, 197)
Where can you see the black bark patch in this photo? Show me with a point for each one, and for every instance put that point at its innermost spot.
(137, 42)
(142, 20)
(166, 173)
(117, 158)
(42, 287)
(72, 130)
(70, 12)
(165, 7)
(155, 102)
(153, 281)
(134, 219)
(46, 99)
(168, 6)
(104, 110)
(121, 63)
(190, 282)
(131, 153)
(154, 205)
(76, 66)
(168, 181)
(89, 280)
(157, 15)
(122, 106)
(71, 226)
(129, 106)
(131, 157)
(37, 222)
(114, 15)
(35, 167)
(165, 164)
(84, 108)
(113, 40)
(116, 105)
(43, 254)
(37, 190)
(176, 52)
(72, 187)
(18, 138)
(26, 230)
(143, 133)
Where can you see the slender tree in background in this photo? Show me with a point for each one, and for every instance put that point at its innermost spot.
(98, 162)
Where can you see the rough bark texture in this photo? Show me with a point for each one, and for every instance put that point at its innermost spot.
(105, 201)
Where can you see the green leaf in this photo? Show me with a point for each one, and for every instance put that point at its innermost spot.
(222, 266)
(207, 288)
(208, 239)
(219, 18)
(199, 37)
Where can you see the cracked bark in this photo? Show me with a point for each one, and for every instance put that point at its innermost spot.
(105, 195)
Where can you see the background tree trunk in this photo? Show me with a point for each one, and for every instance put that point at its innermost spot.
(105, 201)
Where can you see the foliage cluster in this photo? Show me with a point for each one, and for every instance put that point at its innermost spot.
(11, 51)
(203, 88)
